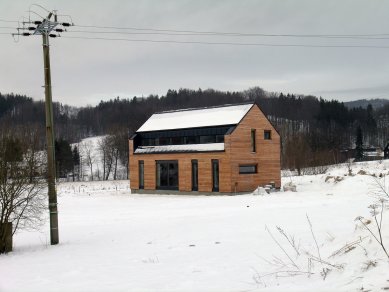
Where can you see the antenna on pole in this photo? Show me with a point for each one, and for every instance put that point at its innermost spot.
(47, 28)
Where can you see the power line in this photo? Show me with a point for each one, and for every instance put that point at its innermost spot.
(4, 20)
(229, 43)
(221, 33)
(230, 35)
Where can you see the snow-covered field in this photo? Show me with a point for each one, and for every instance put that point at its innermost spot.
(112, 240)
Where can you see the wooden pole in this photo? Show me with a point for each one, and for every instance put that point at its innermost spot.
(52, 194)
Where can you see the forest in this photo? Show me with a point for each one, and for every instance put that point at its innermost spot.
(314, 131)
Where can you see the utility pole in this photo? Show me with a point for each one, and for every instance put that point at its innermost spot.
(52, 194)
(45, 28)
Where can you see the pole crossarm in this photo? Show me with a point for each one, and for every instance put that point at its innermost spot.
(45, 27)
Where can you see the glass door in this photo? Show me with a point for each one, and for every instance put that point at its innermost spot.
(167, 174)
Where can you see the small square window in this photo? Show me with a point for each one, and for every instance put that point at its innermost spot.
(267, 135)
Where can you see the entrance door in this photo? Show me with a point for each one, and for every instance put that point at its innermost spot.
(167, 174)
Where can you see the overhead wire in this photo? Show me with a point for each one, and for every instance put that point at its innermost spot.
(4, 20)
(176, 33)
(196, 32)
(232, 34)
(229, 43)
(228, 33)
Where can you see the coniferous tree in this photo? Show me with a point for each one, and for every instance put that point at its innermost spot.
(63, 157)
(359, 144)
(76, 161)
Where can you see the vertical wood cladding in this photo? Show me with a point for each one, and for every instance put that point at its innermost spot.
(238, 151)
(266, 155)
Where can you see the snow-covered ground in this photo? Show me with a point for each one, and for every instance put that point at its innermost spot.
(112, 240)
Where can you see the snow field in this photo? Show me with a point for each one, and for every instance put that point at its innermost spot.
(111, 240)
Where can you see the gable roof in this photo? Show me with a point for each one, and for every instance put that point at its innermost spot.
(196, 118)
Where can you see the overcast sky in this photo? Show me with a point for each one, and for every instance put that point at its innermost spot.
(87, 71)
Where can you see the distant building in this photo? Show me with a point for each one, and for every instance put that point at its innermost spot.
(386, 151)
(372, 153)
(226, 149)
(369, 153)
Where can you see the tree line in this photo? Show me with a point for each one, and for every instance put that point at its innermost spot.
(314, 131)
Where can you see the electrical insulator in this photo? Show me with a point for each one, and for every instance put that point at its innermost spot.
(52, 35)
(65, 23)
(26, 34)
(59, 30)
(31, 28)
(37, 22)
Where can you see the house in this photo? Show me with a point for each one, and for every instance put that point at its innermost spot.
(369, 152)
(224, 149)
(372, 153)
(386, 151)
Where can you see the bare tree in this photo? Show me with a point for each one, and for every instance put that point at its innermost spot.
(90, 159)
(107, 150)
(22, 201)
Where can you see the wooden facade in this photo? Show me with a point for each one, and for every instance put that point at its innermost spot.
(238, 155)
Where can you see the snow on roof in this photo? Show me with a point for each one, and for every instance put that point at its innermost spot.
(181, 148)
(195, 118)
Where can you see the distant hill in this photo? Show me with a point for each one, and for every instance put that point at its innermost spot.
(376, 103)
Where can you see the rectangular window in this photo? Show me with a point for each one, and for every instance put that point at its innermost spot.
(148, 142)
(253, 148)
(195, 175)
(246, 169)
(215, 175)
(164, 141)
(177, 140)
(192, 140)
(167, 174)
(219, 138)
(207, 139)
(267, 134)
(141, 174)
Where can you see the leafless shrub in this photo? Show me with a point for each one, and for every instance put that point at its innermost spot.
(314, 170)
(377, 235)
(294, 267)
(369, 264)
(348, 247)
(290, 239)
(21, 199)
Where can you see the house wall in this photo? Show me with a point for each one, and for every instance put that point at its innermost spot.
(267, 155)
(184, 170)
(237, 152)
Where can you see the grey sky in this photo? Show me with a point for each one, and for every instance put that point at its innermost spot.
(86, 71)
